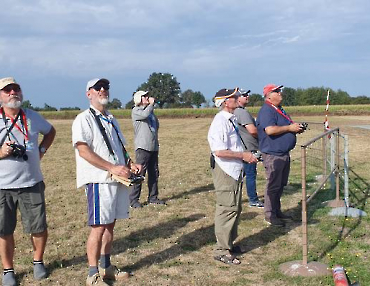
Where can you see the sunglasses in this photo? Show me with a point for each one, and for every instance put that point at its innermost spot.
(279, 90)
(10, 87)
(100, 85)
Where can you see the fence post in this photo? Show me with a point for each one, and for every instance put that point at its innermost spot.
(304, 207)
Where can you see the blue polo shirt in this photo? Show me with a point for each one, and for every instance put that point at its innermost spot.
(275, 144)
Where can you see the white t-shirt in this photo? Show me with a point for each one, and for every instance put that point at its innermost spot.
(223, 136)
(16, 172)
(86, 130)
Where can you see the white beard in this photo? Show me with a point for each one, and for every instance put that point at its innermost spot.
(14, 104)
(103, 101)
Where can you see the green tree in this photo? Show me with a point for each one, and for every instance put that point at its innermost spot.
(360, 100)
(189, 98)
(130, 104)
(114, 104)
(164, 87)
(27, 104)
(49, 108)
(289, 96)
(255, 99)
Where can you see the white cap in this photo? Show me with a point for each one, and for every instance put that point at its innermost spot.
(138, 95)
(93, 81)
(6, 81)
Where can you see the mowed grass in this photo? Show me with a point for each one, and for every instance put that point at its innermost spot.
(172, 245)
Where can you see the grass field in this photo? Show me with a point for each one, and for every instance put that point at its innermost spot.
(172, 245)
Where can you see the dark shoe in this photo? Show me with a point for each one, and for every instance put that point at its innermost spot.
(284, 217)
(39, 271)
(275, 222)
(157, 202)
(228, 259)
(136, 205)
(257, 204)
(9, 279)
(237, 250)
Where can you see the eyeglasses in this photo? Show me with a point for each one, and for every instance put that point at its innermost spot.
(279, 90)
(100, 85)
(244, 95)
(10, 87)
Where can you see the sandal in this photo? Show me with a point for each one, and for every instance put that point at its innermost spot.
(228, 259)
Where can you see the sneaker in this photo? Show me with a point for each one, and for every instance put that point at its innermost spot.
(136, 205)
(39, 271)
(157, 202)
(257, 204)
(284, 216)
(95, 280)
(9, 279)
(275, 222)
(113, 273)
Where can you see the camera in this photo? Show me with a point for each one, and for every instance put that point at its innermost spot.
(304, 126)
(19, 151)
(257, 155)
(136, 179)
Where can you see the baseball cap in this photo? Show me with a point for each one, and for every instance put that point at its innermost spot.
(225, 93)
(138, 95)
(244, 91)
(6, 81)
(270, 87)
(94, 81)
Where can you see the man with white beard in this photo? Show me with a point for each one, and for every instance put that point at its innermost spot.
(99, 148)
(21, 180)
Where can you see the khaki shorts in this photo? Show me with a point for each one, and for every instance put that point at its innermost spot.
(31, 203)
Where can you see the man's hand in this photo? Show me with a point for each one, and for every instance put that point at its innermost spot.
(249, 158)
(151, 100)
(6, 150)
(120, 170)
(136, 168)
(295, 128)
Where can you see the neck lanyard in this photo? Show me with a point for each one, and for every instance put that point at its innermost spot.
(22, 116)
(105, 137)
(280, 110)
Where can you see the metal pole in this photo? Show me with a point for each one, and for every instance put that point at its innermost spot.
(346, 179)
(337, 168)
(304, 208)
(324, 156)
(332, 161)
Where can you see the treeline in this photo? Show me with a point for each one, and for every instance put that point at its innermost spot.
(165, 88)
(312, 96)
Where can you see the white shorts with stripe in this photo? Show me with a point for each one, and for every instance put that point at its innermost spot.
(106, 203)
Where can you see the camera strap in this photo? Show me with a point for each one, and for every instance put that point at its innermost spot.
(105, 136)
(237, 132)
(11, 126)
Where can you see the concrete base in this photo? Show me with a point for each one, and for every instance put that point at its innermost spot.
(343, 211)
(335, 203)
(296, 268)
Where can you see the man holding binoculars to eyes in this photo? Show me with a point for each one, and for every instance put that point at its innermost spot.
(21, 180)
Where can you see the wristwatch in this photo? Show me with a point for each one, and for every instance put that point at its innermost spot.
(42, 149)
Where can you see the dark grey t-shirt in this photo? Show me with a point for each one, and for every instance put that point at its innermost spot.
(245, 118)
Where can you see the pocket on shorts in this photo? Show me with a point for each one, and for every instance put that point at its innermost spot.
(37, 194)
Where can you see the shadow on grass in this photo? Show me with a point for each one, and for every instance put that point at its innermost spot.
(194, 191)
(135, 239)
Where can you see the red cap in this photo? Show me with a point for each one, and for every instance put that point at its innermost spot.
(270, 87)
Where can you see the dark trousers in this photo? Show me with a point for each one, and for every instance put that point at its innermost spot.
(277, 173)
(149, 161)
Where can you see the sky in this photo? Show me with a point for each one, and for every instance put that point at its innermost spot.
(53, 47)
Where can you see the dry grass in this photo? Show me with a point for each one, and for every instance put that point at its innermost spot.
(172, 245)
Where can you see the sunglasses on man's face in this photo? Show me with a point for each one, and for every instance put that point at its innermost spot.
(10, 87)
(100, 85)
(279, 90)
